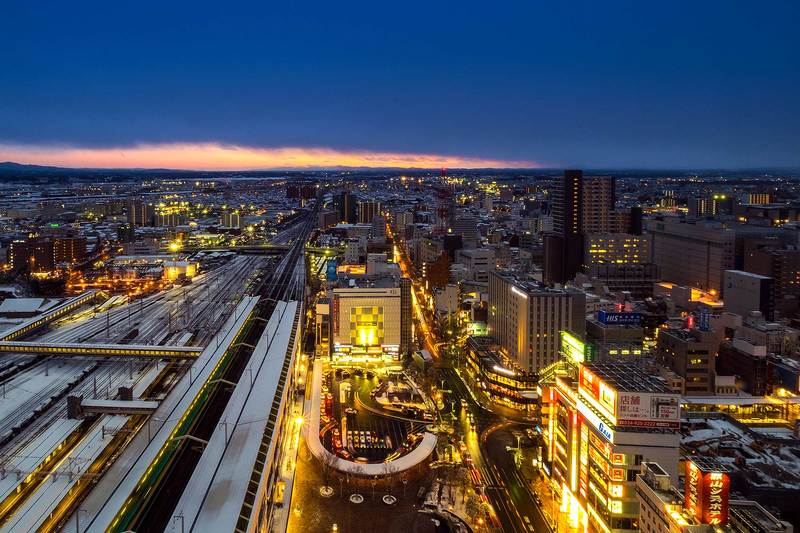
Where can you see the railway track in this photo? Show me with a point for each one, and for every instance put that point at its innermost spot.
(151, 505)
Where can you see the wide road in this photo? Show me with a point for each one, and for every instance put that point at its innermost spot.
(513, 502)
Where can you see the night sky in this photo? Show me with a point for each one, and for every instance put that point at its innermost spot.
(279, 84)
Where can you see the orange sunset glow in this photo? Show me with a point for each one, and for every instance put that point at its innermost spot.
(215, 156)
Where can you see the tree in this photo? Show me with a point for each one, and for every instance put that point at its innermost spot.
(389, 470)
(328, 463)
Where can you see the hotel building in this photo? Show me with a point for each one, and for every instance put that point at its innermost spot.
(525, 318)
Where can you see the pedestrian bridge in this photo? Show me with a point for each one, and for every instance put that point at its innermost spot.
(32, 324)
(101, 350)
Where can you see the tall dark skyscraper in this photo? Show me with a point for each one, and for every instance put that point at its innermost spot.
(345, 204)
(579, 205)
(563, 248)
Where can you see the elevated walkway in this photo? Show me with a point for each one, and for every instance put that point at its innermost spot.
(101, 350)
(32, 324)
(118, 407)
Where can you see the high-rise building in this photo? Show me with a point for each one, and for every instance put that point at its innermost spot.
(601, 425)
(45, 254)
(69, 250)
(783, 266)
(759, 198)
(711, 206)
(345, 205)
(378, 231)
(580, 205)
(597, 204)
(525, 318)
(368, 210)
(615, 248)
(139, 212)
(693, 254)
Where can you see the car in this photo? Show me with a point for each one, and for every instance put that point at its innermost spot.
(351, 411)
(427, 416)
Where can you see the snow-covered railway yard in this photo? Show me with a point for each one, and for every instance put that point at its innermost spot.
(39, 442)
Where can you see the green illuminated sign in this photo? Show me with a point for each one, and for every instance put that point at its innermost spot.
(575, 349)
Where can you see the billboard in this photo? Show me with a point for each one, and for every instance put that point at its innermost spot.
(631, 409)
(602, 395)
(648, 410)
(576, 350)
(706, 494)
(693, 497)
(620, 319)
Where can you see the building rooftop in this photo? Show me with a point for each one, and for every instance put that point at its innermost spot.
(627, 377)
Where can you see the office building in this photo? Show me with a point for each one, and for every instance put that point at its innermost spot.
(749, 362)
(478, 262)
(783, 266)
(467, 228)
(616, 336)
(693, 254)
(525, 318)
(327, 219)
(637, 279)
(602, 424)
(745, 292)
(691, 354)
(615, 248)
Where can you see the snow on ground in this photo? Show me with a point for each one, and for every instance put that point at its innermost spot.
(764, 462)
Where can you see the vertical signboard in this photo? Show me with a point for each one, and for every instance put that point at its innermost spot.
(716, 486)
(707, 493)
(693, 499)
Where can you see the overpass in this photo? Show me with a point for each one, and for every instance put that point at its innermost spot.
(261, 248)
(101, 350)
(37, 322)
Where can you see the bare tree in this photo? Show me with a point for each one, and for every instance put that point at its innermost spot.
(389, 470)
(328, 463)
